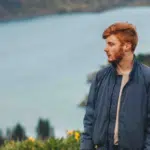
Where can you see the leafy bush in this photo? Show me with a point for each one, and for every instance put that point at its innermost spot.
(71, 142)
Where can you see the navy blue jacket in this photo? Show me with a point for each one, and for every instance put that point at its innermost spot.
(134, 116)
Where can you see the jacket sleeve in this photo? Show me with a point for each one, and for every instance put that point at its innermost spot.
(86, 138)
(147, 139)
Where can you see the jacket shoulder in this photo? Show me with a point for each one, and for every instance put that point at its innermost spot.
(146, 72)
(101, 73)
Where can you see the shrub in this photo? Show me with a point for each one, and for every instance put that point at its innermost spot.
(71, 142)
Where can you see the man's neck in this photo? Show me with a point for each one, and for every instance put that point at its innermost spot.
(125, 65)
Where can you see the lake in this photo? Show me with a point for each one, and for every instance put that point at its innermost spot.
(44, 64)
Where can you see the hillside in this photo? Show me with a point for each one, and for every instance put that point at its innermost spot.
(10, 9)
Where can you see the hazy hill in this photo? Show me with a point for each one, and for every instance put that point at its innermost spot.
(10, 9)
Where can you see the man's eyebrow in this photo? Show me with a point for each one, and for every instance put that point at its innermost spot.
(109, 42)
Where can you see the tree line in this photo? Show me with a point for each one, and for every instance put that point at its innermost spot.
(44, 130)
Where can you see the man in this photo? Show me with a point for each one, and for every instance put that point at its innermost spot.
(118, 108)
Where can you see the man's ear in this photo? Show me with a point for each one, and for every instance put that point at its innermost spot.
(127, 46)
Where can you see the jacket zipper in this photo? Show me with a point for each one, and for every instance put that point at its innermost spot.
(121, 101)
(109, 111)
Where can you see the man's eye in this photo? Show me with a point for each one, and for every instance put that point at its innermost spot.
(111, 44)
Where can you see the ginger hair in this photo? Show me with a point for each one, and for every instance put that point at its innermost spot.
(125, 32)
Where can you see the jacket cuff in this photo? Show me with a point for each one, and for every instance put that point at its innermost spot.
(86, 145)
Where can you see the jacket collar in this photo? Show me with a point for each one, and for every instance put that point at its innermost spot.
(131, 75)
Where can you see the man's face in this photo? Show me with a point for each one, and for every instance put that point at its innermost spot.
(114, 49)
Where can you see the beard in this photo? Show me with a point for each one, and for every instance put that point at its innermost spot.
(117, 57)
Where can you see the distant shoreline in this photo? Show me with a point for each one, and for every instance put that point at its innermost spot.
(8, 19)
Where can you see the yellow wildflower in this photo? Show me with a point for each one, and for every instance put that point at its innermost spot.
(77, 136)
(31, 139)
(70, 132)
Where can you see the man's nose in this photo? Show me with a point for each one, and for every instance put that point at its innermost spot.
(106, 49)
